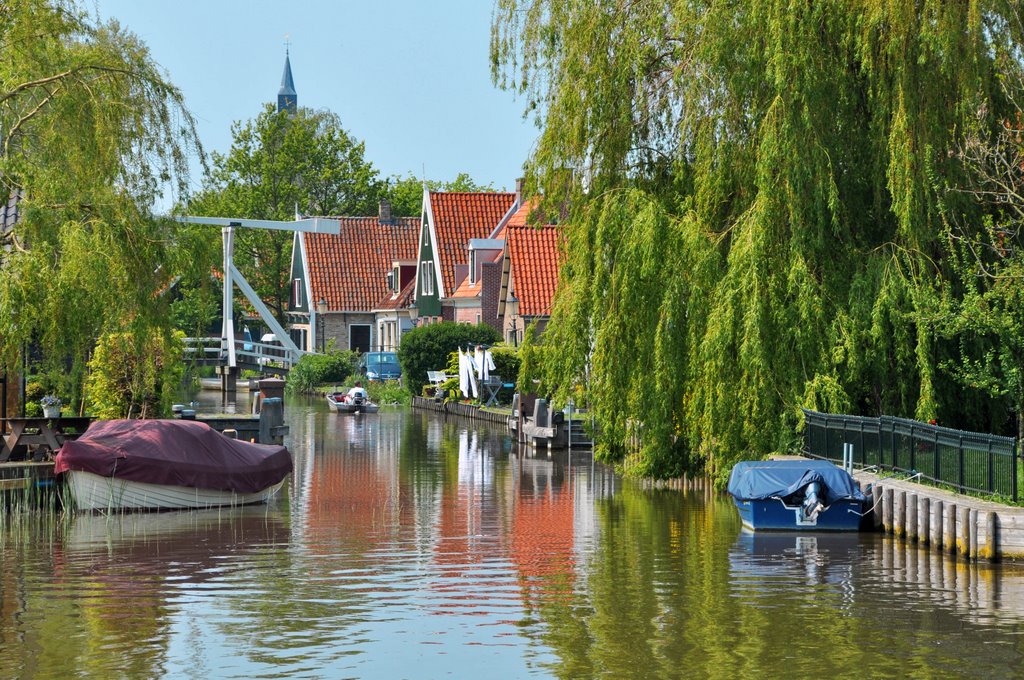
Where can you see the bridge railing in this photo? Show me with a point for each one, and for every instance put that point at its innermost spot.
(967, 461)
(211, 350)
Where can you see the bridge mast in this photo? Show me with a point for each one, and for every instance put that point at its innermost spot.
(234, 277)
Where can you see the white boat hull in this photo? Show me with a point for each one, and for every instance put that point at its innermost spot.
(92, 492)
(339, 406)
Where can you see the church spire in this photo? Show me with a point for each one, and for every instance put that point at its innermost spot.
(287, 99)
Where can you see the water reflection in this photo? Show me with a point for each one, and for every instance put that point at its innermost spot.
(408, 545)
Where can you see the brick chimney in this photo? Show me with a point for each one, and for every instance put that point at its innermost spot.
(384, 214)
(520, 182)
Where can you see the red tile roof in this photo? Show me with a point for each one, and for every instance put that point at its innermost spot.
(522, 216)
(400, 301)
(459, 217)
(349, 270)
(534, 257)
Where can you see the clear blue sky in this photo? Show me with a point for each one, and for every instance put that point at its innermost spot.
(409, 77)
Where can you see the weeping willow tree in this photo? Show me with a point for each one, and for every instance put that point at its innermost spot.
(91, 132)
(759, 215)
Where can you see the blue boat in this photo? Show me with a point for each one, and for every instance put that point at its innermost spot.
(796, 495)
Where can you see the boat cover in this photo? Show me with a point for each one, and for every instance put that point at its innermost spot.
(174, 453)
(758, 480)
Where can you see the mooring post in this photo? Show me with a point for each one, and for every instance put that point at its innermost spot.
(991, 551)
(972, 547)
(899, 524)
(949, 538)
(937, 524)
(271, 418)
(887, 500)
(925, 513)
(912, 532)
(876, 507)
(963, 541)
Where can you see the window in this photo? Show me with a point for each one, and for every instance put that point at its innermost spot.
(296, 292)
(427, 277)
(477, 319)
(472, 266)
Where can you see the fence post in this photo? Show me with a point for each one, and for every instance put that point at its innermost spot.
(913, 450)
(961, 457)
(1013, 471)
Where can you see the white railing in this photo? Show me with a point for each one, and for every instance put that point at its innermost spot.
(212, 350)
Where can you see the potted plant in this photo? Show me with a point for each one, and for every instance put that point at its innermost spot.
(51, 406)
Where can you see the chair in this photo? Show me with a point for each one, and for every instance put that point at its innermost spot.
(436, 378)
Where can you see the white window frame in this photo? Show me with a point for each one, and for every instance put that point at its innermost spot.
(427, 277)
(297, 293)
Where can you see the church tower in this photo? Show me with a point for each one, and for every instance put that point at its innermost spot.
(287, 100)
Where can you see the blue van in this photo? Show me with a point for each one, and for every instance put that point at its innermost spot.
(380, 366)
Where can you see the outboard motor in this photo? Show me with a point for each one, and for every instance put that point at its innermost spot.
(811, 505)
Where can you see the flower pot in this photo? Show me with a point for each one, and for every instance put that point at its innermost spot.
(51, 411)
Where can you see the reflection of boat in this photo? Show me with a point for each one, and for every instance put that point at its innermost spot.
(342, 403)
(168, 464)
(784, 495)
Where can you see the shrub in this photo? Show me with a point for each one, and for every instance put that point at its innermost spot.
(388, 392)
(318, 369)
(427, 348)
(134, 377)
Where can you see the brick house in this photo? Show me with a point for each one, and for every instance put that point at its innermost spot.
(459, 236)
(350, 275)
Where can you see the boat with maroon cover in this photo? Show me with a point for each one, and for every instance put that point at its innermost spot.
(168, 464)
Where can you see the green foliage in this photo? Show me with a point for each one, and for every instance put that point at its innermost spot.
(134, 375)
(765, 217)
(321, 369)
(427, 348)
(388, 392)
(278, 161)
(92, 132)
(406, 193)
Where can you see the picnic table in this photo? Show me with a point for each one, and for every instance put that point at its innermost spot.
(42, 436)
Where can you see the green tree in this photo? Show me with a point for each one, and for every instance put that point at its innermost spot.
(759, 196)
(91, 133)
(406, 193)
(278, 164)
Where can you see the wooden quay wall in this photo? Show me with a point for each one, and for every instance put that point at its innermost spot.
(972, 528)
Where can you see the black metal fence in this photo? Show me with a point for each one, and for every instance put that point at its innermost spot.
(968, 461)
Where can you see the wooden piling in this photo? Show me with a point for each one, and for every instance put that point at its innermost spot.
(912, 507)
(876, 507)
(990, 551)
(949, 530)
(937, 524)
(899, 521)
(972, 546)
(963, 539)
(925, 512)
(887, 496)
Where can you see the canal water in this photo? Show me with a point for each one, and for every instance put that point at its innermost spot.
(410, 546)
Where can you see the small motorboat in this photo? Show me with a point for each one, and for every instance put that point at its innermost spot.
(800, 495)
(341, 402)
(168, 465)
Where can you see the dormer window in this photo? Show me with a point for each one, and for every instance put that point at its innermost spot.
(391, 281)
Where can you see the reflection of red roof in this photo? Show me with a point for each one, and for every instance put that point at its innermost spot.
(459, 217)
(543, 537)
(349, 270)
(534, 256)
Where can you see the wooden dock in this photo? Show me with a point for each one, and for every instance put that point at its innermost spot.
(972, 528)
